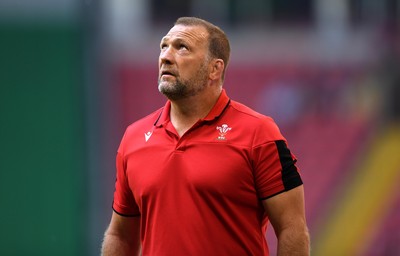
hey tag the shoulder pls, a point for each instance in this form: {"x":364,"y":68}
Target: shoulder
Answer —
{"x":135,"y":132}
{"x":263,"y":127}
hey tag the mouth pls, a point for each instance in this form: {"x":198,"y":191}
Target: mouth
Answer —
{"x":166,"y":73}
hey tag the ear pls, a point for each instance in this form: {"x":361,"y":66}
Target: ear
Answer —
{"x":216,"y":69}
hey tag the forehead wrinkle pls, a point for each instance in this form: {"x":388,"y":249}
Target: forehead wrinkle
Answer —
{"x":187,"y":34}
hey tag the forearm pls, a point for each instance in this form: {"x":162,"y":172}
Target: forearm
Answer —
{"x":294,"y":242}
{"x":115,"y":246}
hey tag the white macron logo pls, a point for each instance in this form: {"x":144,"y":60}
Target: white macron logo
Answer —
{"x":147,"y":135}
{"x":223,"y":130}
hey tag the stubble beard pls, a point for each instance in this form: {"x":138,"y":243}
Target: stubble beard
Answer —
{"x":181,"y":89}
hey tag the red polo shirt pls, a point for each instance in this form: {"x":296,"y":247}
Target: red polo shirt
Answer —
{"x":200,"y":194}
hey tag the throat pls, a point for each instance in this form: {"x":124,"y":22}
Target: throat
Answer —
{"x":186,"y":113}
{"x":182,"y":126}
{"x":184,"y":116}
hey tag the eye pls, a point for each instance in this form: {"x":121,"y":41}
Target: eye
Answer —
{"x":183,"y":47}
{"x":163,"y":46}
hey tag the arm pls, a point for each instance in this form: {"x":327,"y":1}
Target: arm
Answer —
{"x":287,"y":215}
{"x":122,"y":236}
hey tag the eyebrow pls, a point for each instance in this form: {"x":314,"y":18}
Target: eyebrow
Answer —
{"x":165,"y":38}
{"x":176,"y":39}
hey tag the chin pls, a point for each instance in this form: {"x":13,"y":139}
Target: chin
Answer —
{"x":164,"y":86}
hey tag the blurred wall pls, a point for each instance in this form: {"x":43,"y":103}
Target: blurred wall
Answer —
{"x":42,"y":166}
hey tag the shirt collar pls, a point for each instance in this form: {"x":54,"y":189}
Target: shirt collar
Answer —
{"x":219,"y":107}
{"x":216,"y":111}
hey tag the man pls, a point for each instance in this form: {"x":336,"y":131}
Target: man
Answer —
{"x":204,"y":174}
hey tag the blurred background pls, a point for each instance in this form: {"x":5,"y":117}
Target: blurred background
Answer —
{"x":74,"y":74}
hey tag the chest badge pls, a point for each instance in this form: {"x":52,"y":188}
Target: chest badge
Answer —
{"x":223,"y":130}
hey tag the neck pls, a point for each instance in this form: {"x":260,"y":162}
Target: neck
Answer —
{"x":186,"y":112}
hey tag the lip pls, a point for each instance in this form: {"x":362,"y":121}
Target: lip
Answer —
{"x":166,"y":73}
{"x":167,"y":70}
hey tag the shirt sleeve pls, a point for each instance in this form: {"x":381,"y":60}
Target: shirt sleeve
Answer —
{"x":124,"y":203}
{"x":275,"y":169}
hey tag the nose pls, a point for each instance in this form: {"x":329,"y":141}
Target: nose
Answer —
{"x":166,"y":56}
